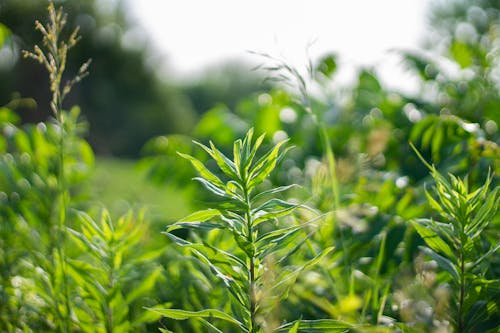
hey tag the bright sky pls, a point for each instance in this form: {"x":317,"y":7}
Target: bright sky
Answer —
{"x":195,"y":33}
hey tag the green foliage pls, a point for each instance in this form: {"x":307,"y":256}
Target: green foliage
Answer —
{"x":246,"y":215}
{"x":112,"y":109}
{"x":460,"y":246}
{"x":112,"y":274}
{"x":254,"y":259}
{"x":43,"y":286}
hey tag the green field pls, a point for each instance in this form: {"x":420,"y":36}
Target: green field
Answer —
{"x":165,"y":203}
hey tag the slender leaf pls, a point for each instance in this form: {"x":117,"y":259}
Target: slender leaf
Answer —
{"x":208,"y":313}
{"x":316,"y":326}
{"x":203,"y":171}
{"x":444,"y":263}
{"x":432,"y":239}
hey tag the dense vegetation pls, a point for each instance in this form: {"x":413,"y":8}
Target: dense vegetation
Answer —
{"x":317,"y":209}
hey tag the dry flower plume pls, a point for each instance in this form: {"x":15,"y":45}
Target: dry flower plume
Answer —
{"x":53,"y":54}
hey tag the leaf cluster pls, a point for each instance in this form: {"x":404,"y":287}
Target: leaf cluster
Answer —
{"x":250,"y":217}
{"x":460,"y":242}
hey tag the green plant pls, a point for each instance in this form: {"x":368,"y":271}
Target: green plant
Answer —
{"x":53,"y":56}
{"x":249,"y":217}
{"x":113,"y":273}
{"x":461,"y":243}
{"x":61,"y":270}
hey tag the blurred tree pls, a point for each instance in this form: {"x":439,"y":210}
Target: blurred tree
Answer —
{"x":228,"y":82}
{"x":124,"y":99}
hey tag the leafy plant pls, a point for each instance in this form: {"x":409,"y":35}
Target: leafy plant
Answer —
{"x":113,"y":273}
{"x":91,"y":281}
{"x":249,"y":216}
{"x":53,"y":56}
{"x":459,"y":243}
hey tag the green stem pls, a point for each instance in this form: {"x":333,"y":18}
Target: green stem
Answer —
{"x":253,"y":324}
{"x":461,"y":296}
{"x":61,"y":216}
{"x":332,"y":166}
{"x":251,"y":274}
{"x":109,"y":308}
{"x":332,"y":169}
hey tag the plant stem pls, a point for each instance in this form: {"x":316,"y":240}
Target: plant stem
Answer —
{"x":252,"y":296}
{"x":109,"y":308}
{"x":56,"y":104}
{"x":462,"y":293}
{"x":251,"y":273}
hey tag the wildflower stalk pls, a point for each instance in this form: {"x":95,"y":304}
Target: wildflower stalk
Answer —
{"x":53,"y":55}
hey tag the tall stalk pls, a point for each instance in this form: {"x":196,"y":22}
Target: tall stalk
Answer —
{"x":53,"y":55}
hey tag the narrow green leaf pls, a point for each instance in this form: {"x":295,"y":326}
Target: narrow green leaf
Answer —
{"x":201,"y":215}
{"x":215,"y":255}
{"x":177,"y":240}
{"x":295,"y":327}
{"x":277,"y":234}
{"x":234,"y":190}
{"x":264,"y":248}
{"x":208,"y":313}
{"x":273,"y":190}
{"x":210,"y":326}
{"x":233,"y":287}
{"x":244,"y":244}
{"x":198,"y":220}
{"x":273,"y":204}
{"x":272,"y":209}
{"x":265,"y":165}
{"x":217,"y":190}
{"x":444,"y":263}
{"x":483,"y":215}
{"x":89,"y":221}
{"x":164,"y":330}
{"x":196,"y":226}
{"x":253,"y":151}
{"x":432,"y":239}
{"x":225,"y":164}
{"x":317,"y":326}
{"x":150,"y":316}
{"x":486,"y":255}
{"x":203,"y":171}
{"x":237,"y":156}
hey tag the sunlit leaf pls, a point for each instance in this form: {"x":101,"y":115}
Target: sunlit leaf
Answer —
{"x":183,"y":314}
{"x":433,"y":240}
{"x":444,"y":263}
{"x":203,"y":171}
{"x":317,"y":326}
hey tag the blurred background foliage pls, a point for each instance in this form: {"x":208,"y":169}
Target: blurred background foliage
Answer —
{"x":126,"y":99}
{"x":377,"y":274}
